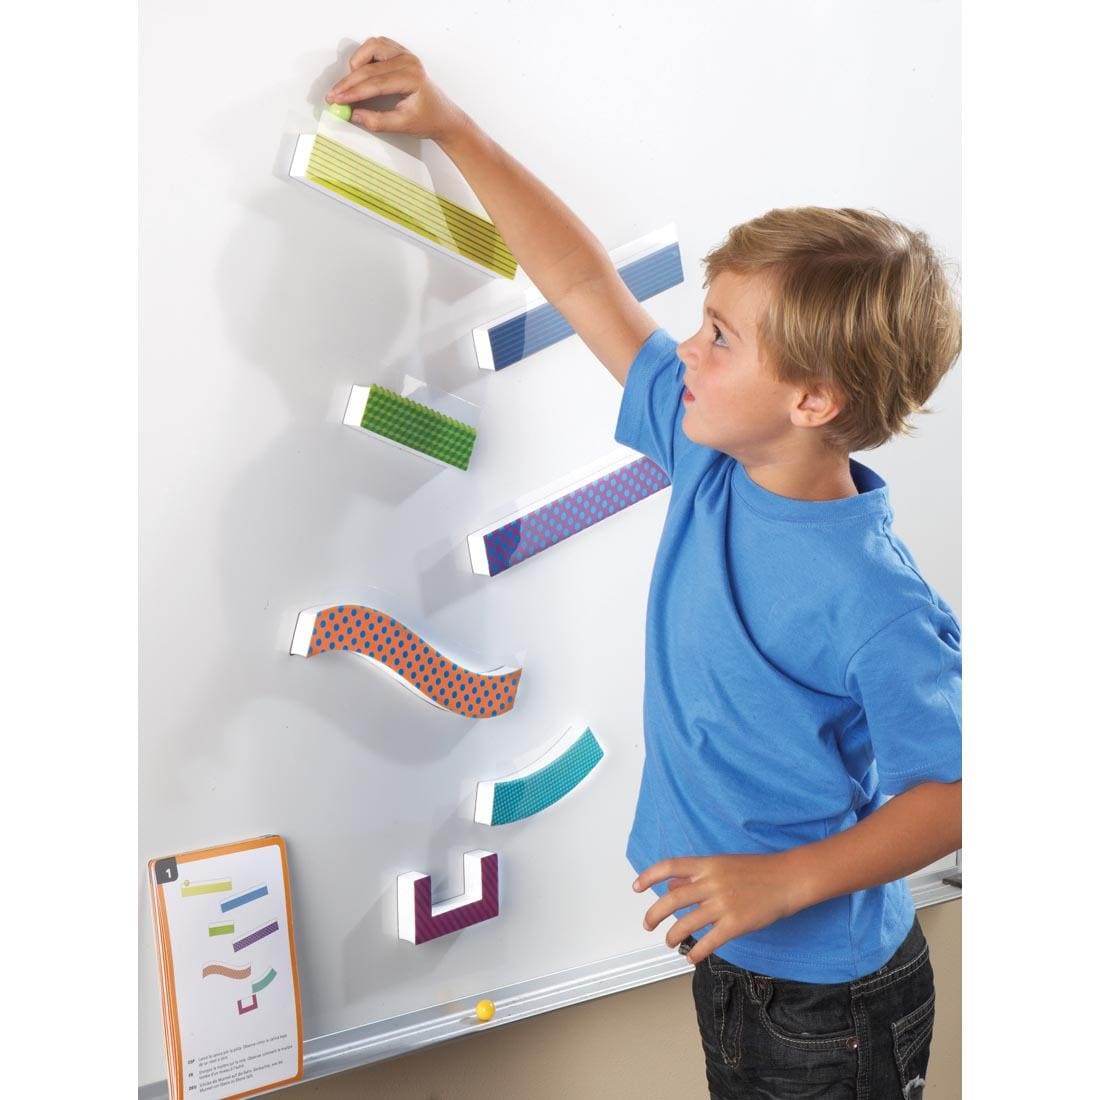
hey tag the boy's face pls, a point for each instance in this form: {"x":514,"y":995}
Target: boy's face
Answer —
{"x":732,"y":402}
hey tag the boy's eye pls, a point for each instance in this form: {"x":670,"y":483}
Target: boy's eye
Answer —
{"x":719,"y":339}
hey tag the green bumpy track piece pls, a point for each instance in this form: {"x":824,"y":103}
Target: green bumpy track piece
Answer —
{"x":414,"y":425}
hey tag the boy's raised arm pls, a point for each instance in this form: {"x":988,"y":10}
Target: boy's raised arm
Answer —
{"x":564,"y":260}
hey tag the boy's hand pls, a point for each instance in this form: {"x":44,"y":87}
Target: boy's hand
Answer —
{"x":739,"y":894}
{"x":563,"y":258}
{"x":735,"y":894}
{"x":383,"y":67}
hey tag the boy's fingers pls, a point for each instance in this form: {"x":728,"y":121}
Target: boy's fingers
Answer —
{"x":379,"y":68}
{"x":353,"y":86}
{"x":706,"y":946}
{"x":669,"y":904}
{"x":687,"y":925}
{"x":375,"y":49}
{"x":667,"y":868}
{"x":369,"y":87}
{"x":380,"y":120}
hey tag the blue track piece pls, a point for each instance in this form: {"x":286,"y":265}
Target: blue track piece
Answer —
{"x":542,"y":326}
{"x":244,"y":899}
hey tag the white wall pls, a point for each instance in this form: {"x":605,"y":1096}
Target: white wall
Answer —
{"x":262,"y":303}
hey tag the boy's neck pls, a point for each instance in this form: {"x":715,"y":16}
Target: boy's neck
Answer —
{"x":805,"y":477}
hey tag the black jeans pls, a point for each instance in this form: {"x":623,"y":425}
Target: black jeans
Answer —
{"x":783,"y":1040}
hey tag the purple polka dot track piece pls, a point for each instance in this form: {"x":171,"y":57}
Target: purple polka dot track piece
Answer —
{"x":497,"y":548}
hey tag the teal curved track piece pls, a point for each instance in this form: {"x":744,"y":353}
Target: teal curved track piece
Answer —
{"x":523,"y":795}
{"x":265,"y":981}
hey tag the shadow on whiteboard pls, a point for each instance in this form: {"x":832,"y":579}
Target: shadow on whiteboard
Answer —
{"x":300,"y":289}
{"x":375,"y":958}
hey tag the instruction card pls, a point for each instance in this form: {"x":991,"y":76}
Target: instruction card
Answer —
{"x":228,"y":973}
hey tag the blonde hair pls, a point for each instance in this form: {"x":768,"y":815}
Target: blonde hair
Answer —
{"x":859,"y":303}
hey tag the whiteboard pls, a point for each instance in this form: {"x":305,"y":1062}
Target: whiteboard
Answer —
{"x":262,"y":304}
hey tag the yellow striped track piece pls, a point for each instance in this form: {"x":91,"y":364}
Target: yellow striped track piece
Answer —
{"x":375,"y":185}
{"x":194,"y":889}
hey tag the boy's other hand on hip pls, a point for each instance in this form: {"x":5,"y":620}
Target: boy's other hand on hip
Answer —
{"x":734,"y":894}
{"x":381,"y":67}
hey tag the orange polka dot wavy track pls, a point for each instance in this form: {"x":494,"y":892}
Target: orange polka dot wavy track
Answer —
{"x":381,"y":638}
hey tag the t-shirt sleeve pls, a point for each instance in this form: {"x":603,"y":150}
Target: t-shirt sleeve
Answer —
{"x":652,"y":406}
{"x":908,"y":678}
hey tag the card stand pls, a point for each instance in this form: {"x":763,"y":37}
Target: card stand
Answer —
{"x":419,"y":921}
{"x":411,"y":426}
{"x":250,"y":880}
{"x":560,"y":770}
{"x":394,"y":189}
{"x":388,"y":645}
{"x":607,"y":488}
{"x":647,"y":266}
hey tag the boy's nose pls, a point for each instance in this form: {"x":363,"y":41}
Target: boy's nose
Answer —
{"x":690,"y":358}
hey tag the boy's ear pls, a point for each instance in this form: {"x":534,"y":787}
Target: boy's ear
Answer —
{"x":816,"y":404}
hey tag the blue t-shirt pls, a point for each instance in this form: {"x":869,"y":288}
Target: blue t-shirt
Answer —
{"x":798,"y":668}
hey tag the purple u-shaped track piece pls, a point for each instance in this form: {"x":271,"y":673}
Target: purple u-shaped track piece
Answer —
{"x":419,"y":921}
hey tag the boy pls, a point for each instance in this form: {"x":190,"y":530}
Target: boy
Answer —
{"x":798,"y":667}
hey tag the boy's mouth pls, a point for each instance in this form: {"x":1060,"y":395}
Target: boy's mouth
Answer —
{"x":688,"y":396}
